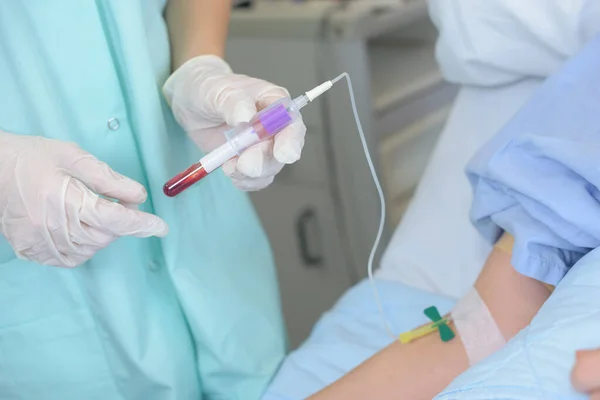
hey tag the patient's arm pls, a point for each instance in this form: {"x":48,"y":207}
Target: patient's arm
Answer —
{"x":423,"y":368}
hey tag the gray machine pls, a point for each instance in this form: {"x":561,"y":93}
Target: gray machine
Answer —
{"x":321,"y":214}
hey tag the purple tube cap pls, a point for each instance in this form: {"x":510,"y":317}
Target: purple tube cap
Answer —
{"x":275,"y":119}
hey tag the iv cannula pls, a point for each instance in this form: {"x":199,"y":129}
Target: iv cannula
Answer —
{"x":267,"y":123}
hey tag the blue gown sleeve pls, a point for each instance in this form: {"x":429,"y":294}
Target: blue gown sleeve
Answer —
{"x":538,"y":178}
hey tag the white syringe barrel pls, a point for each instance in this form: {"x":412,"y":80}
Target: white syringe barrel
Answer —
{"x":267,"y":123}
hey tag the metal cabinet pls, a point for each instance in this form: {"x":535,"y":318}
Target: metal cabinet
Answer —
{"x":322,"y":213}
{"x":312,"y":270}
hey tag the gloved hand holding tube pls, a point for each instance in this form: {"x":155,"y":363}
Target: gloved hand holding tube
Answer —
{"x":50,"y":211}
{"x":207,"y":99}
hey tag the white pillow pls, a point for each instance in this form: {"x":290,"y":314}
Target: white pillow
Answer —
{"x":499,"y":42}
{"x":435,"y":247}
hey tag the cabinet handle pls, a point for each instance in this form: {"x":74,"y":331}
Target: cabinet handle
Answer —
{"x":311,"y":259}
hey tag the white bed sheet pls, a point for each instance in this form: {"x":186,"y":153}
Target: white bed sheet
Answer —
{"x":435,"y":247}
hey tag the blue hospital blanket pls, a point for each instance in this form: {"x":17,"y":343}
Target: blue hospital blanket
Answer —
{"x":539,"y":177}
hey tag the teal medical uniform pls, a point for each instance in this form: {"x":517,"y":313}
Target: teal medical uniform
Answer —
{"x":195,"y":315}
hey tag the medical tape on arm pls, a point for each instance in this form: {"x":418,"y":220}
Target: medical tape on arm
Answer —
{"x":506,"y":243}
{"x":476,"y":327}
{"x":473,"y":320}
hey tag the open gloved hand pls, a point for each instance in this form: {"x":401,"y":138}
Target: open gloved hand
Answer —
{"x":207,"y":99}
{"x":50,"y":211}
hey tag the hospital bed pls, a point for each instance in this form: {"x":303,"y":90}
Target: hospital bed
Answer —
{"x":433,"y":258}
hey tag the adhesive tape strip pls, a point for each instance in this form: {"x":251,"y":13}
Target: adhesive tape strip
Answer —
{"x":477,"y":329}
{"x":505,"y":243}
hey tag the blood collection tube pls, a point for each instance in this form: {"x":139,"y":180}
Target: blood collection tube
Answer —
{"x":264,"y":125}
{"x":185,"y":179}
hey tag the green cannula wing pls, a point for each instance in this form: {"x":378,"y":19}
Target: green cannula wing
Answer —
{"x":446,"y":333}
{"x":433,"y":313}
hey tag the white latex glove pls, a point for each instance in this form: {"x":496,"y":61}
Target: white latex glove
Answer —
{"x":49,"y":210}
{"x":207,"y":98}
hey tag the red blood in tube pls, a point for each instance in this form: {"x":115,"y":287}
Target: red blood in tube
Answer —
{"x":269,"y":123}
{"x":184,"y":180}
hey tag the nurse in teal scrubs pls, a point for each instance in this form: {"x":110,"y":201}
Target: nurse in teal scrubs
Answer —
{"x":109,"y":289}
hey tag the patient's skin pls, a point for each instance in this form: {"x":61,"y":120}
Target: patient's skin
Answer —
{"x":423,"y":368}
{"x":586,"y":374}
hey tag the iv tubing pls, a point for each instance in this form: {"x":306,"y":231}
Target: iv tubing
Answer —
{"x":363,"y":140}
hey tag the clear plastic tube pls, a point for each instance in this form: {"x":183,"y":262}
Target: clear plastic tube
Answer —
{"x":377,"y":241}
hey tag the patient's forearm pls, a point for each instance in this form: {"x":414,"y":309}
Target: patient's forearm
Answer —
{"x":419,"y":370}
{"x":422,"y":369}
{"x":513,"y":299}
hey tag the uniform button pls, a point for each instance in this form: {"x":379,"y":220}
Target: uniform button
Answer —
{"x":153,"y":266}
{"x":113,"y":124}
